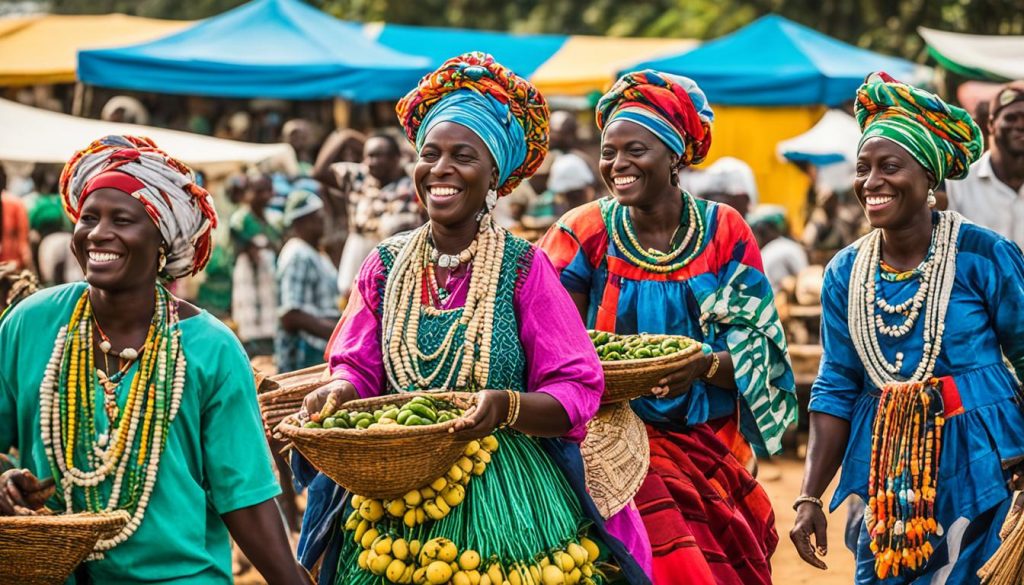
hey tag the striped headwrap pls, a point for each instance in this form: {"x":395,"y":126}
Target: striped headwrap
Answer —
{"x":182,"y":210}
{"x":943,"y":138}
{"x":670,"y":106}
{"x":504,"y":110}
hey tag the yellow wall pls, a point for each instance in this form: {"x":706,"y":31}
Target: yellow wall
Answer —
{"x":751,"y":134}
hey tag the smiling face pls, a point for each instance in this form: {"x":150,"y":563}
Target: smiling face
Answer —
{"x":635,"y":164}
{"x":453,"y":174}
{"x":891,"y":185}
{"x":116,"y":242}
{"x":1007,"y":129}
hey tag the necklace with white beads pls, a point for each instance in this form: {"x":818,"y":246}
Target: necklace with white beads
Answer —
{"x":929,"y":303}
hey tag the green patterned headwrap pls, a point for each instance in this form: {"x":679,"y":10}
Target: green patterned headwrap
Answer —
{"x":943,"y":138}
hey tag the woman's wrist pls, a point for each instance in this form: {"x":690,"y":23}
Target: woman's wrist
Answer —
{"x":712,"y":363}
{"x":808,"y":499}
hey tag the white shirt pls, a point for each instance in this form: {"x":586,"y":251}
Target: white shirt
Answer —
{"x":985,"y":200}
{"x":782,"y":257}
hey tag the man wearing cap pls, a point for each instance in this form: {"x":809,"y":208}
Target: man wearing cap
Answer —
{"x":992,"y":195}
{"x":306,"y":284}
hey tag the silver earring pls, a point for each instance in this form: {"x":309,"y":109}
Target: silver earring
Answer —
{"x":931,"y":198}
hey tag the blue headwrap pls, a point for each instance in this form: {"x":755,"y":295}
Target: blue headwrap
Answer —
{"x":653,"y":122}
{"x":486,"y":117}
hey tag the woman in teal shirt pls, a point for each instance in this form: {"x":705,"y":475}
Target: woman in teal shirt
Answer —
{"x":131,"y":399}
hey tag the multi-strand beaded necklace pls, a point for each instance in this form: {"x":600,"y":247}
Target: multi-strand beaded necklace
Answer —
{"x":407,"y":296}
{"x":684,"y":246}
{"x":84,"y":462}
{"x":907,"y":434}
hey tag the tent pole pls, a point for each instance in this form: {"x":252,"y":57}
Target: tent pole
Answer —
{"x":76,"y":101}
{"x":342,"y":113}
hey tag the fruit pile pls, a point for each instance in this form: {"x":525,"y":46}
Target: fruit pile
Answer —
{"x":419,"y":411}
{"x":431,"y":502}
{"x":439,"y":562}
{"x":612,"y":347}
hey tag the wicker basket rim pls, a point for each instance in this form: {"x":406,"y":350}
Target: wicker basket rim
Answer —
{"x":654,"y":361}
{"x":83,"y":519}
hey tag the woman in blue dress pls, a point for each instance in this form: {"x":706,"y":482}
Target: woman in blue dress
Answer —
{"x":913,"y":398}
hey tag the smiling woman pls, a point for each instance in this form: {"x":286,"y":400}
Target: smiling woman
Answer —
{"x":106,"y":387}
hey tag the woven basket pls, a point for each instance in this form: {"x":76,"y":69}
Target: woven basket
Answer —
{"x":384,"y":462}
{"x":616,"y":455}
{"x":282,"y":395}
{"x":46,"y":549}
{"x":628,"y":379}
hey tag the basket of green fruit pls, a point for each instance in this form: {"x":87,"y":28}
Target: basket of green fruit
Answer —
{"x":385,"y":446}
{"x":634,"y":364}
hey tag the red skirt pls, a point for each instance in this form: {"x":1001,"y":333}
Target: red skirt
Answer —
{"x":708,"y":520}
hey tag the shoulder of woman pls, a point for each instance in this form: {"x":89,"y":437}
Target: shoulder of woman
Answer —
{"x":975,"y":239}
{"x":48,"y":300}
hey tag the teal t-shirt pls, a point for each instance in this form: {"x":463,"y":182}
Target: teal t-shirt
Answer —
{"x":216,"y":459}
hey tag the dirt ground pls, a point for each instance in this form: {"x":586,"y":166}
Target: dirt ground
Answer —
{"x":781,"y":479}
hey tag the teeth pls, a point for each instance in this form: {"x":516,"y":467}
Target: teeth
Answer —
{"x":878,"y":200}
{"x":625,"y":180}
{"x":103,"y":256}
{"x":443,"y":191}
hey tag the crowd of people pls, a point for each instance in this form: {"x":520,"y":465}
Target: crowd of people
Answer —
{"x":401,"y":260}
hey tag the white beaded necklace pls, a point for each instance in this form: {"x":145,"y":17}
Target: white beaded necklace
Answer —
{"x":929,"y":302}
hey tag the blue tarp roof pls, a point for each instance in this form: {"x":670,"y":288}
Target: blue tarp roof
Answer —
{"x":266,"y":48}
{"x":775,"y":61}
{"x":523,"y":54}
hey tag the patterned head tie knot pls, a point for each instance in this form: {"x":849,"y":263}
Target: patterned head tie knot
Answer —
{"x":942,"y":138}
{"x":670,"y":106}
{"x":182,"y":210}
{"x":504,"y":110}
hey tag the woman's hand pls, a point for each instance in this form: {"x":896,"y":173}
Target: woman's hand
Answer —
{"x":22,"y":493}
{"x":810,"y":519}
{"x":679,"y":381}
{"x":491,"y":409}
{"x":327,"y":399}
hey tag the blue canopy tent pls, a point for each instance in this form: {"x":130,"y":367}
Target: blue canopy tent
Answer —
{"x":774,"y":61}
{"x":267,"y":48}
{"x":523,"y":54}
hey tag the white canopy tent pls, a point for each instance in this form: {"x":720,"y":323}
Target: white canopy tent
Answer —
{"x":986,"y":55}
{"x":32,"y":135}
{"x":833,"y":139}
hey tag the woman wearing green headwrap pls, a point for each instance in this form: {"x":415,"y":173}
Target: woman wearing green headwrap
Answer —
{"x":913,"y":397}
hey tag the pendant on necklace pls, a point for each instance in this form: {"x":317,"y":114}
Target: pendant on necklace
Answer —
{"x":109,"y":386}
{"x":442,"y":293}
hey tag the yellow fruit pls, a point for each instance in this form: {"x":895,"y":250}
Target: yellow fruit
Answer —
{"x":360,"y":531}
{"x":448,"y":552}
{"x":574,"y":577}
{"x":535,"y":573}
{"x":514,"y":578}
{"x":432,"y":548}
{"x":395,"y":570}
{"x":443,"y":506}
{"x":578,"y":553}
{"x":396,"y":508}
{"x":495,"y":573}
{"x":552,"y":576}
{"x":410,"y":518}
{"x":474,"y":577}
{"x":428,"y":493}
{"x":433,"y":510}
{"x":472,"y":448}
{"x":407,"y":575}
{"x":461,"y":578}
{"x":455,"y":474}
{"x":588,"y":570}
{"x":419,"y":576}
{"x":414,"y":547}
{"x":469,"y":560}
{"x":382,"y":545}
{"x":479,"y":468}
{"x":379,"y":565}
{"x":454,"y":566}
{"x":372,"y":510}
{"x":438,"y":573}
{"x":465,"y":464}
{"x":357,"y":501}
{"x":485,"y":580}
{"x":439,"y":484}
{"x":363,"y":562}
{"x":545,"y":562}
{"x":489,"y":443}
{"x":564,"y":561}
{"x":400,"y":549}
{"x":454,"y":495}
{"x":483,"y":456}
{"x":592,"y":550}
{"x":368,"y":537}
{"x":353,"y":521}
{"x":421,"y":516}
{"x":412,"y":499}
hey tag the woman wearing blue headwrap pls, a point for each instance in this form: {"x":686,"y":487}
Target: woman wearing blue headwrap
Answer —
{"x":461,"y":304}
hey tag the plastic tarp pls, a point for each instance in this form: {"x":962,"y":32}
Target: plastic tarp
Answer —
{"x":984,"y":56}
{"x":774,"y":61}
{"x":833,"y":139}
{"x":522,"y":53}
{"x":267,"y":48}
{"x":586,"y":64}
{"x":35,"y":135}
{"x":38,"y":50}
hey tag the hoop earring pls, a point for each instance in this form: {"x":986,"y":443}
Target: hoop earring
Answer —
{"x":931,"y":198}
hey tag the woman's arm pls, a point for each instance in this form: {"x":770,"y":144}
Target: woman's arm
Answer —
{"x":260,"y":532}
{"x":829,"y":435}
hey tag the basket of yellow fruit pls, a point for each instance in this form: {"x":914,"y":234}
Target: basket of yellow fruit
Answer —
{"x":634,"y":364}
{"x":385,"y":446}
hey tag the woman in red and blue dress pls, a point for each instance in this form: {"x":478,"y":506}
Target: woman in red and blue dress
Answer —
{"x":652,"y":258}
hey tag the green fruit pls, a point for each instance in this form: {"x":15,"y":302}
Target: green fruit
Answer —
{"x":403,"y":416}
{"x":330,"y":423}
{"x":423,"y":412}
{"x":415,"y":421}
{"x":391,"y":413}
{"x":421,"y":400}
{"x":642,"y":353}
{"x":612,"y":356}
{"x":364,"y":422}
{"x":311,"y":425}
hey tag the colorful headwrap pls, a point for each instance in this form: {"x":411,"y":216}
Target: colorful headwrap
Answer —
{"x":504,"y":110}
{"x":943,"y":138}
{"x":181,"y":210}
{"x":670,"y":106}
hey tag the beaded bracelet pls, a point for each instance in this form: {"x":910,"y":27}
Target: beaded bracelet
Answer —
{"x":803,"y":499}
{"x":513,"y":409}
